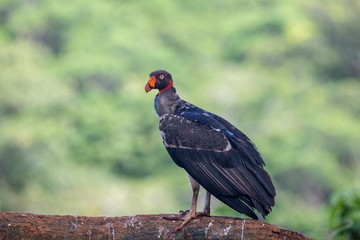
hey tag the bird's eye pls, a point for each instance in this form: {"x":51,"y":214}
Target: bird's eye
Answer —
{"x":161,"y":76}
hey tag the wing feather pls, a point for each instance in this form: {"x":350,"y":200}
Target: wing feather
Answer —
{"x":226,"y":170}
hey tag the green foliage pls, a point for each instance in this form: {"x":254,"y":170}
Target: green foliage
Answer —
{"x":79,"y":135}
{"x":345,"y":214}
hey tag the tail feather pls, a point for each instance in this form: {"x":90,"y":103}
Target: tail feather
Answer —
{"x":238,"y":205}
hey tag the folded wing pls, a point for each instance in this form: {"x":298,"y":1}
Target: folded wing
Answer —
{"x":221,"y":158}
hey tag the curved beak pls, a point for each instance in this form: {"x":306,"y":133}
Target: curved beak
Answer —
{"x":151,"y":84}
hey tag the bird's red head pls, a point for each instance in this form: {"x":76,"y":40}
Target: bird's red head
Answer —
{"x":160,"y":80}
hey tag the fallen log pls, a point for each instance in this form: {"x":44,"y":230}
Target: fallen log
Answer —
{"x":33,"y":226}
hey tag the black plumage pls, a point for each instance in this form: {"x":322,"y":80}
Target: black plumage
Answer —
{"x":216,"y":154}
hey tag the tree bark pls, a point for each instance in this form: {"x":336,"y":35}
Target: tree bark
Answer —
{"x":32,"y":226}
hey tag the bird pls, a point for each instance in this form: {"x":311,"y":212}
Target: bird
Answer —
{"x":214,"y":153}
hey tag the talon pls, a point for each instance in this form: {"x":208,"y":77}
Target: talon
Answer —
{"x":191,"y":216}
{"x":184,"y":212}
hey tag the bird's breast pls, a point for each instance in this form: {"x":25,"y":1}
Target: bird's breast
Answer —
{"x":165,"y":104}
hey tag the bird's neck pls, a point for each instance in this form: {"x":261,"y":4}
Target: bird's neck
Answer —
{"x":166,"y":102}
{"x":167,"y":87}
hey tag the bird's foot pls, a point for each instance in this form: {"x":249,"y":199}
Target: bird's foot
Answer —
{"x":184,"y":212}
{"x":204,"y":213}
{"x":188,"y":218}
{"x":179,"y":216}
{"x":191,"y":215}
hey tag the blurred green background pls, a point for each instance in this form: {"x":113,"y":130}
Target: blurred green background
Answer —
{"x":79,"y":136}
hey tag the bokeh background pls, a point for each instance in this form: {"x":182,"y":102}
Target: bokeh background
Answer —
{"x":79,"y":136}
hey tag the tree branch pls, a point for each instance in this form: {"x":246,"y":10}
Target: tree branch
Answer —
{"x":32,"y":226}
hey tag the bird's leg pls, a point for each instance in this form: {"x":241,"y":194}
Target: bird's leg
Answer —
{"x":206,"y":211}
{"x":192,"y":212}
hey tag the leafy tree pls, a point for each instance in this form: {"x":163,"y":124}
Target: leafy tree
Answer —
{"x":345,"y":214}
